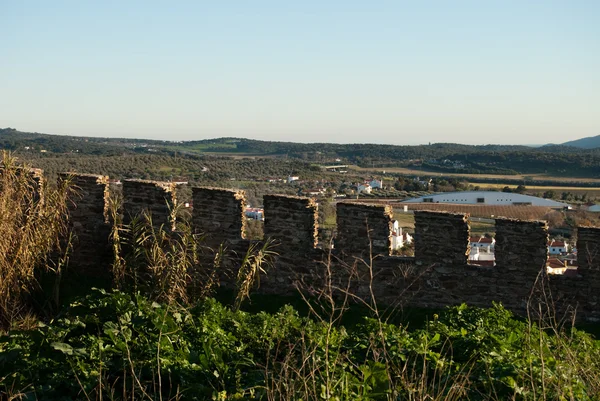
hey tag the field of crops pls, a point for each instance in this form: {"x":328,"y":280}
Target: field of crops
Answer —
{"x":489,"y":211}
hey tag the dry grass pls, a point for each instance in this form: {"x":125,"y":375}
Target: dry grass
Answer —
{"x":33,"y":223}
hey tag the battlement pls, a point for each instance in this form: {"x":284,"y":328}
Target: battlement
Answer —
{"x":438,"y":275}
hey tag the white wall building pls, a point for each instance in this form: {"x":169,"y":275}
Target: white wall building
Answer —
{"x":477,"y":256}
{"x":376,"y":184}
{"x":256,"y":213}
{"x":557,"y":247}
{"x":366,"y":188}
{"x":399,"y":238}
{"x":486,"y":198}
{"x":483,"y":244}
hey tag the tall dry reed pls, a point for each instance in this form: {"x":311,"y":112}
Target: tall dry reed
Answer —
{"x":33,"y":226}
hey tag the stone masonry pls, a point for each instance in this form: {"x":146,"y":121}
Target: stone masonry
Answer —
{"x":155,"y":197}
{"x":437,"y":276}
{"x":292,"y":222}
{"x":88,"y":221}
{"x":588,"y":249}
{"x":218,"y":214}
{"x":521,"y":245}
{"x":431,"y":228}
{"x":363,"y":229}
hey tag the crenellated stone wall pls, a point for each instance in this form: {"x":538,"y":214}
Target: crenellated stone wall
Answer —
{"x":438,"y":275}
{"x":156,"y":197}
{"x":441,"y":238}
{"x":291,"y":221}
{"x":218,"y":214}
{"x":88,"y":221}
{"x":363,"y":229}
{"x":588,"y":249}
{"x":521,"y":245}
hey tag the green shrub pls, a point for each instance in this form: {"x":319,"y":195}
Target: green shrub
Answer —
{"x":120,"y":346}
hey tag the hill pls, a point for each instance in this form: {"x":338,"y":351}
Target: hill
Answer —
{"x":438,"y":158}
{"x":591,"y":142}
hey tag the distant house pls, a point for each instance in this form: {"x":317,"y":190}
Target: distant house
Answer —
{"x":376,"y":184}
{"x":314,"y":191}
{"x":557,"y":266}
{"x":399,"y":238}
{"x":366,"y":188}
{"x":556,"y":247}
{"x":483,"y":244}
{"x":255,"y":213}
{"x":481,"y":258}
{"x":426,"y":182}
{"x":292,"y":178}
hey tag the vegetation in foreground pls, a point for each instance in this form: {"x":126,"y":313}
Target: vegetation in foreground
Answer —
{"x":175,"y":342}
{"x":114,"y":345}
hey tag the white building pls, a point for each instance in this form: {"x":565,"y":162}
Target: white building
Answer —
{"x":376,"y":184}
{"x":557,"y":266}
{"x":557,"y":247}
{"x":292,"y":178}
{"x":255,"y":213}
{"x":593,"y":208}
{"x":366,"y":188}
{"x":487,"y":198}
{"x":314,"y":191}
{"x":484,"y":258}
{"x":483,"y":244}
{"x":399,"y":238}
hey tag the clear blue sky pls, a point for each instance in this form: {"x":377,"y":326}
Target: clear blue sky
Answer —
{"x":400,"y":72}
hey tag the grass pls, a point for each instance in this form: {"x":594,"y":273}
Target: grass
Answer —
{"x":405,"y":220}
{"x":479,"y":228}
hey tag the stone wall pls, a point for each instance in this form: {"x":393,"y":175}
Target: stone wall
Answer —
{"x":292,"y":222}
{"x":437,"y":276}
{"x":363,"y":230}
{"x":88,"y":221}
{"x":441,"y":238}
{"x":157,"y":198}
{"x":588,"y":249}
{"x":521,"y":245}
{"x":218,"y":214}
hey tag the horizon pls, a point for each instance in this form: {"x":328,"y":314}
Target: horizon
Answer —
{"x":255,"y":139}
{"x":388,"y":72}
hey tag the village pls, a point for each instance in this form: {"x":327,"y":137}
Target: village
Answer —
{"x":562,"y":254}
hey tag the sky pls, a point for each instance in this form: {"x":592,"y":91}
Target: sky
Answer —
{"x":395,"y":72}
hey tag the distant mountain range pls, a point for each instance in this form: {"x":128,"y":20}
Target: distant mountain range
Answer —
{"x":590,"y":142}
